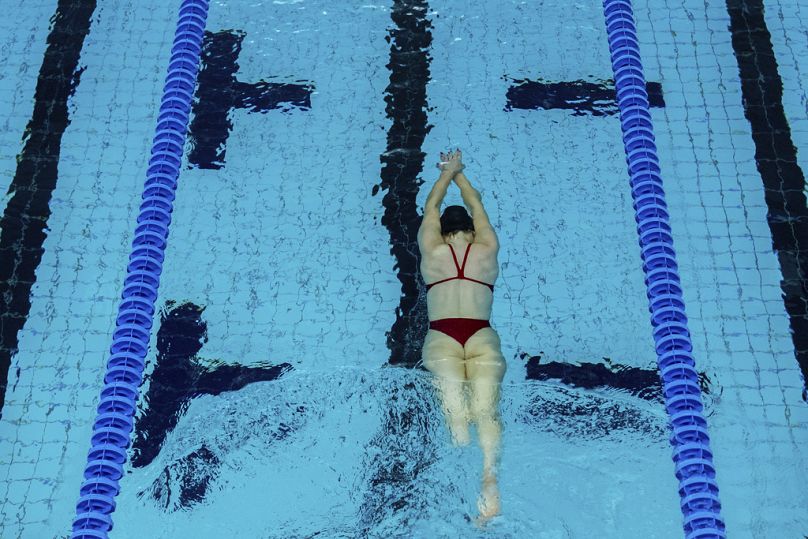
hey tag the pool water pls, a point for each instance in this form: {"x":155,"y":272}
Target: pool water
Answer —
{"x":282,"y":397}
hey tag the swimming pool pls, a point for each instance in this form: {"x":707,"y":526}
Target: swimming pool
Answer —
{"x":290,"y":279}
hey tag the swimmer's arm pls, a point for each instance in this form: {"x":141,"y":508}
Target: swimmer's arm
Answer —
{"x":483,"y":231}
{"x":429,"y":233}
{"x":470,"y":195}
{"x":438,"y":193}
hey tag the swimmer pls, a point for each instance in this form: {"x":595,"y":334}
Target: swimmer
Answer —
{"x":461,"y":348}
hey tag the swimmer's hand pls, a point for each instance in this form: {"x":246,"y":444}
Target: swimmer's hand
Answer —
{"x":451,"y":162}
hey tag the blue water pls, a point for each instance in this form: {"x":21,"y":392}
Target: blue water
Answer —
{"x":284,"y":250}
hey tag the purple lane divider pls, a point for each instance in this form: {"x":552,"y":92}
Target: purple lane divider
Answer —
{"x":130,"y":341}
{"x":693,"y":460}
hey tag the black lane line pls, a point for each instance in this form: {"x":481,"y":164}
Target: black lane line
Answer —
{"x":776,"y":158}
{"x":410,"y":40}
{"x":579,"y":96}
{"x":25,"y":218}
{"x":404,"y":446}
{"x":219,"y":92}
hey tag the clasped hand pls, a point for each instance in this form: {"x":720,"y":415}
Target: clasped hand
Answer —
{"x":451,"y":162}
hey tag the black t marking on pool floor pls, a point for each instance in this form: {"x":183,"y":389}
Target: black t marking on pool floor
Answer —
{"x":179,"y":376}
{"x":581,"y":97}
{"x":218,"y":92}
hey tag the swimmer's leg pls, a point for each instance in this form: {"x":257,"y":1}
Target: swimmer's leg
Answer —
{"x":485,"y":367}
{"x":444,"y":358}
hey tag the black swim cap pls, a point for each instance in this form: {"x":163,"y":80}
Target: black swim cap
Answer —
{"x":455,"y":218}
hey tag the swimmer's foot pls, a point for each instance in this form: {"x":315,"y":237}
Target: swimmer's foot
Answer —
{"x":488,"y":502}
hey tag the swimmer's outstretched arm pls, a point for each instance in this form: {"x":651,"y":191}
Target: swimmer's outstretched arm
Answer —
{"x":483,"y":231}
{"x":438,"y":193}
{"x":471,"y":197}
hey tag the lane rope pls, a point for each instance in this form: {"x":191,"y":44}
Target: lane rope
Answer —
{"x":692,"y":456}
{"x":130,"y":340}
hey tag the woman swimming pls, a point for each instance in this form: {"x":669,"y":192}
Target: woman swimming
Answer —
{"x":461,"y":348}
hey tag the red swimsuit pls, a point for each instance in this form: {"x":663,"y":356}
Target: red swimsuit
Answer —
{"x":460,"y":329}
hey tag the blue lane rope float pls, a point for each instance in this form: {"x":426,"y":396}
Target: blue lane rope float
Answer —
{"x":130,"y":340}
{"x":691,"y":444}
